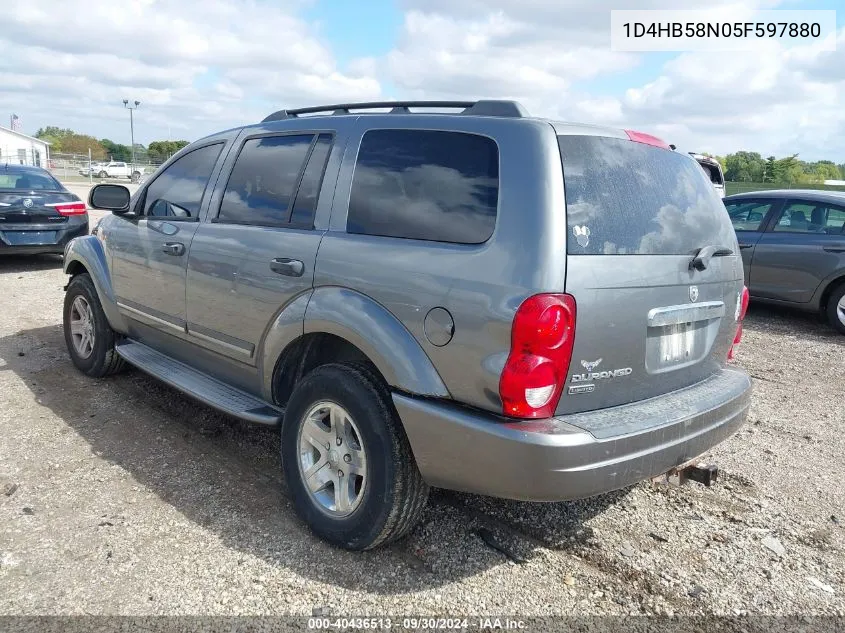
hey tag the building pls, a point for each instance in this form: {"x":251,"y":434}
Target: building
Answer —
{"x":20,"y":149}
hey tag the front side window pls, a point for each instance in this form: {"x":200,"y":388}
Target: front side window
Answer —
{"x":178,"y":191}
{"x":425,"y":185}
{"x":263,"y":181}
{"x":811,"y":217}
{"x":748,"y":215}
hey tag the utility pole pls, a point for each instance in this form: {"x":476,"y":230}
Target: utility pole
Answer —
{"x":131,"y":124}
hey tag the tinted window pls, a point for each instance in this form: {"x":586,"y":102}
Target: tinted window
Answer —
{"x":264,"y":179}
{"x":811,"y":217}
{"x":714,"y":173}
{"x":29,"y":181}
{"x":309,"y":188}
{"x":425,"y":185}
{"x":627,"y":198}
{"x":178,"y":190}
{"x":748,"y":215}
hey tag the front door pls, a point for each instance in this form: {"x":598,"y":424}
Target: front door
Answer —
{"x":150,"y":246}
{"x":259,"y":250}
{"x":803,"y":247}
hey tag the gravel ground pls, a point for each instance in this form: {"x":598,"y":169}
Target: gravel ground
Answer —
{"x":121,"y":496}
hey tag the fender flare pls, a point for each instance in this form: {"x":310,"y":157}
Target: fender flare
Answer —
{"x":87,"y":251}
{"x":365,"y":324}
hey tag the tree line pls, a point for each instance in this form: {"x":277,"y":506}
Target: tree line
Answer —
{"x":752,"y":167}
{"x":67,"y":141}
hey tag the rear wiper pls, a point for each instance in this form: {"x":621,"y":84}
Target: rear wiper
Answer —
{"x":702,"y":257}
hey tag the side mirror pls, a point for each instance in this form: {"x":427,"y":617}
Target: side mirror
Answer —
{"x":114,"y":198}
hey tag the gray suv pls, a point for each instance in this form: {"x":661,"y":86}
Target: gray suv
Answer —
{"x":468,"y":298}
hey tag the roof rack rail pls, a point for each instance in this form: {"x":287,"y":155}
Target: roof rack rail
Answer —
{"x":478,"y":108}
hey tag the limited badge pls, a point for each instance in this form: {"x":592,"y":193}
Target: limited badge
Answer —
{"x":582,"y":235}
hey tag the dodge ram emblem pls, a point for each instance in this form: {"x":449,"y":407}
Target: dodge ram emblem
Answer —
{"x":693,"y":293}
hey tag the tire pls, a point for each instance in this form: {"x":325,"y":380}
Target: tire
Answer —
{"x":102,"y":359}
{"x":102,"y":174}
{"x":392,"y":494}
{"x":135,"y":177}
{"x":836,"y":308}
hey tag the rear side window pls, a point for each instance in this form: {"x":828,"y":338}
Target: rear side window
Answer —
{"x":425,"y":185}
{"x":811,"y":217}
{"x":305,"y":204}
{"x":263,"y":181}
{"x":748,"y":215}
{"x":627,"y":198}
{"x":179,"y":189}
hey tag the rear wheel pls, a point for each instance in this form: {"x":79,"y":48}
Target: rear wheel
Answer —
{"x":346,"y":459}
{"x":102,"y":174}
{"x":88,"y":336}
{"x":836,"y":308}
{"x":135,"y":177}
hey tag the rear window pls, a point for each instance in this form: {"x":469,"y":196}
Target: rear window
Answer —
{"x":714,"y":173}
{"x":28,"y":181}
{"x":627,"y":198}
{"x":425,"y":185}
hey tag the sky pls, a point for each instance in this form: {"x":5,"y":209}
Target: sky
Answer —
{"x":199,"y":66}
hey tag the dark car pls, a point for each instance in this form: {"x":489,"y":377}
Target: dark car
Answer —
{"x":793,"y":248}
{"x":37,"y":214}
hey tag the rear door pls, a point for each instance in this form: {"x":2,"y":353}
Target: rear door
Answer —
{"x":648,"y":320}
{"x":749,"y":217}
{"x":804,"y":245}
{"x":258,"y":251}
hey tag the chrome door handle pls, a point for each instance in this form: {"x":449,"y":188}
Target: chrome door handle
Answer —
{"x":287,"y":266}
{"x":173,"y":248}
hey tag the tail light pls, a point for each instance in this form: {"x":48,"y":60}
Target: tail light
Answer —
{"x":741,"y":309}
{"x":541,"y":348}
{"x":69,"y":208}
{"x":648,"y":139}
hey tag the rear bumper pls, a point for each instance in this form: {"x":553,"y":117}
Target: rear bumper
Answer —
{"x":572,"y":456}
{"x":63,"y":234}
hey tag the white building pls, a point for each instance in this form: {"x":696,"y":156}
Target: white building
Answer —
{"x":20,"y":149}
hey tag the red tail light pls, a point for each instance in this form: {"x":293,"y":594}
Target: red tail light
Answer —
{"x":743,"y":308}
{"x":648,"y":139}
{"x":69,"y":208}
{"x":541,"y":348}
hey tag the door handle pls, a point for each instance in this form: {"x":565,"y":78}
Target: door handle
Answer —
{"x":287,"y":266}
{"x":744,"y":246}
{"x":173,"y":248}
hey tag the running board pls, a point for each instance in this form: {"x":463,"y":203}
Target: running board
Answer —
{"x":199,"y":385}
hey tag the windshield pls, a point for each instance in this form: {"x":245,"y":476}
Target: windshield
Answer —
{"x":28,"y":181}
{"x":627,"y":198}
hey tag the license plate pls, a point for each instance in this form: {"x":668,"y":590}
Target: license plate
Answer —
{"x":677,"y":343}
{"x":27,"y":238}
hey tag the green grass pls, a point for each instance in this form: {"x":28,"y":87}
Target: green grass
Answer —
{"x":742,"y":187}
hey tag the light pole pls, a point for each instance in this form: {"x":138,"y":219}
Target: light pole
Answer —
{"x":132,"y":124}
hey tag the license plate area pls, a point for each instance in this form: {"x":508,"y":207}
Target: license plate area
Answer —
{"x":29,"y":238}
{"x":678,"y":345}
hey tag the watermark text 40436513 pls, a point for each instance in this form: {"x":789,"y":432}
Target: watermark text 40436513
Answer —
{"x":728,"y":29}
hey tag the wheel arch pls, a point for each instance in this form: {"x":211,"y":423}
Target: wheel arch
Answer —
{"x":86,"y":255}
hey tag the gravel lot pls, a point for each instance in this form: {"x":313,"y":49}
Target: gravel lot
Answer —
{"x":122,"y":496}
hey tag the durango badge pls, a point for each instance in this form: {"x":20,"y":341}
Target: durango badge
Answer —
{"x":601,"y":375}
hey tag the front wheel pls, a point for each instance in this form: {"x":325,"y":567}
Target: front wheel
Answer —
{"x":102,"y":174}
{"x":88,"y":336}
{"x":135,"y":177}
{"x":347,"y":462}
{"x":836,"y":308}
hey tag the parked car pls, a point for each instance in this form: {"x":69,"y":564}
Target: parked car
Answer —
{"x":91,"y":169}
{"x":416,"y":301}
{"x":37,"y":214}
{"x":793,"y":248}
{"x":116,"y":169}
{"x":713,"y":169}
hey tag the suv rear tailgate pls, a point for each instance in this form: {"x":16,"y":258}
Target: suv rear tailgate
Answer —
{"x":647,"y":322}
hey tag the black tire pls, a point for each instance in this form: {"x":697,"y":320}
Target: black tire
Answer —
{"x":833,"y":315}
{"x":103,"y":360}
{"x":102,"y":174}
{"x":395,"y":494}
{"x":135,"y":177}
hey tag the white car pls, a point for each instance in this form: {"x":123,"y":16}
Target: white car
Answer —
{"x":92,"y":168}
{"x":117,"y":169}
{"x":714,"y":171}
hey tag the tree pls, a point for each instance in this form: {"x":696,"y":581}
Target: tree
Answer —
{"x":116,"y":151}
{"x":54,"y":136}
{"x":825,"y":170}
{"x":769,"y":172}
{"x":81,"y":143}
{"x":162,"y":150}
{"x":744,"y":167}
